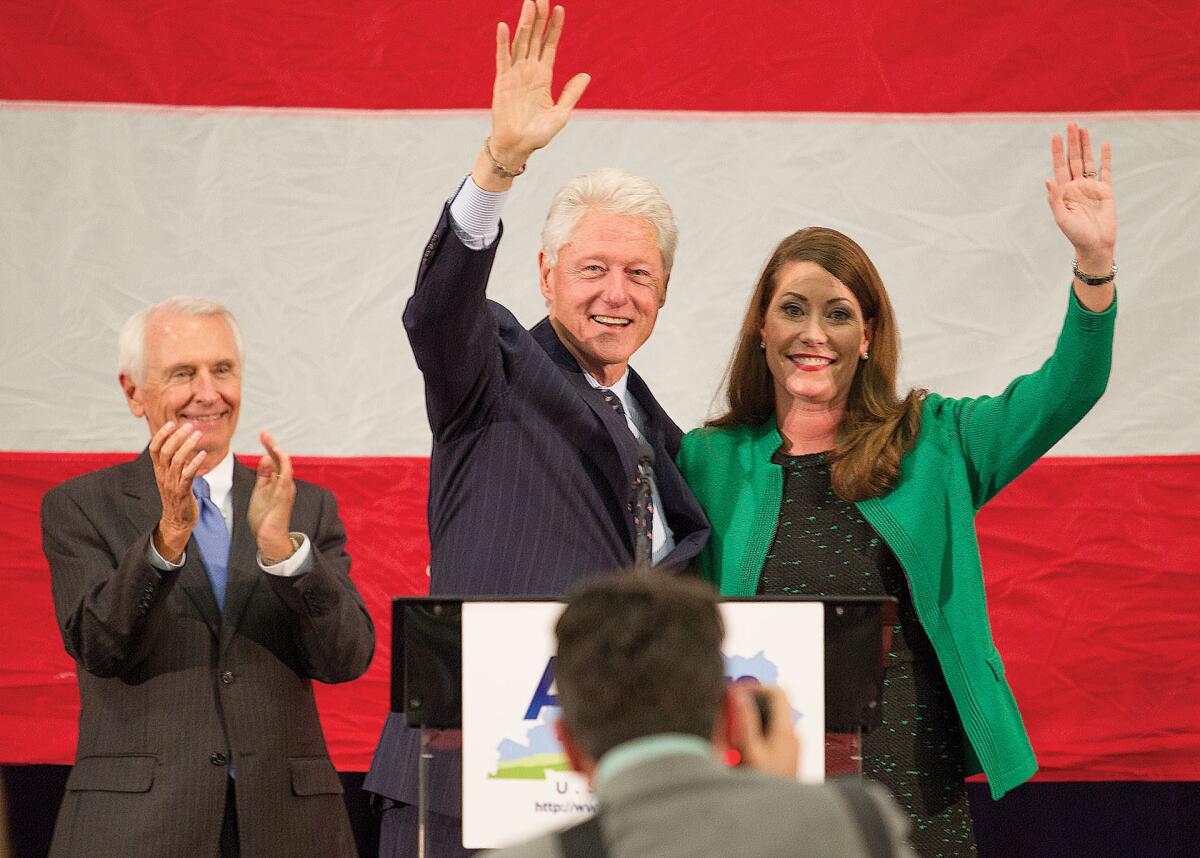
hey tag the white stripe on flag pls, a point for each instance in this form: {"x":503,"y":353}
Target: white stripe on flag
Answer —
{"x":310,"y":225}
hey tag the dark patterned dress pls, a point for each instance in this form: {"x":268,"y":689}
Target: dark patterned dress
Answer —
{"x":824,"y":547}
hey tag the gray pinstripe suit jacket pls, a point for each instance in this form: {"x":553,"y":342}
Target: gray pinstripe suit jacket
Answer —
{"x":170,"y":689}
{"x":531,"y":475}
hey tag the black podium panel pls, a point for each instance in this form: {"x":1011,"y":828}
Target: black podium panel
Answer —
{"x":427,"y":658}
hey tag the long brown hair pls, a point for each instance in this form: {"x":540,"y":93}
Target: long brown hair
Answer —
{"x":878,"y":427}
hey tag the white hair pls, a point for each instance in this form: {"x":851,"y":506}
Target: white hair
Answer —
{"x":613,"y":191}
{"x":131,"y":344}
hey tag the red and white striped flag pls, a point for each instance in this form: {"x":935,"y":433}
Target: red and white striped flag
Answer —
{"x":291,"y":158}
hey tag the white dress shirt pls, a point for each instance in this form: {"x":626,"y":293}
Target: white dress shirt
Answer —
{"x":220,"y":490}
{"x":475,"y":214}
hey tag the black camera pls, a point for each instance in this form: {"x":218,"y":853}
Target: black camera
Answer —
{"x":763,"y":701}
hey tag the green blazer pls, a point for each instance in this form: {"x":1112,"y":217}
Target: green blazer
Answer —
{"x":967,"y":450}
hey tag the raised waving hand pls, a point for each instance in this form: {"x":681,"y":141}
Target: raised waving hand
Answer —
{"x":525,"y":115}
{"x":1081,"y":199}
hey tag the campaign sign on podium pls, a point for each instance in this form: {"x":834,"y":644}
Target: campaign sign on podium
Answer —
{"x":516,"y":780}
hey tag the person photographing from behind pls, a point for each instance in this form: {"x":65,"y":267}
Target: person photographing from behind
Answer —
{"x":648,"y":716}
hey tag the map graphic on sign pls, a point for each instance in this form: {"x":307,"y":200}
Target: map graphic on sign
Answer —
{"x":540,"y":753}
{"x":757,"y":666}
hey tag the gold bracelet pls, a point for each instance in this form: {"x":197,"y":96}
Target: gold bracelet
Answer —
{"x":497,"y":166}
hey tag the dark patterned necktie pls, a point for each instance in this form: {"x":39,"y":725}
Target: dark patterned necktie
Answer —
{"x":643,"y":507}
{"x":212,"y":538}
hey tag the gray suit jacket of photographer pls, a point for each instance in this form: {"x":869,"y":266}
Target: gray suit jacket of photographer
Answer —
{"x":683,"y":805}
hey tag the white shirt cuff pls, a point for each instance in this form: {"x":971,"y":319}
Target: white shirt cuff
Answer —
{"x":299,"y":563}
{"x":161,"y":563}
{"x":475,"y":214}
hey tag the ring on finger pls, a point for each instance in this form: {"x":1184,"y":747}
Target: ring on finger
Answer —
{"x":1089,"y":174}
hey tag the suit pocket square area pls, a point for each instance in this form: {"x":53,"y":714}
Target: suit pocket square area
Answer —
{"x":124,"y":773}
{"x":314,"y":776}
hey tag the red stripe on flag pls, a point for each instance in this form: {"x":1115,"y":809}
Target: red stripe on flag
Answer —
{"x":1092,"y":581}
{"x":1093,"y":585}
{"x":769,"y":55}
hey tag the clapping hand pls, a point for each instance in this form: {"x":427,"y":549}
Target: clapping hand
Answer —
{"x":173,"y":454}
{"x":271,"y":502}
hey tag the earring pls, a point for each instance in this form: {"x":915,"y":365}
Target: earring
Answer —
{"x":762,"y":347}
{"x":866,"y":355}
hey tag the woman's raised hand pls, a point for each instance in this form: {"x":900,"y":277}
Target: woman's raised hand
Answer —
{"x":1081,"y":197}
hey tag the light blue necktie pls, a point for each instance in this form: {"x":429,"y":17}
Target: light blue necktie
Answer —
{"x":212,"y":537}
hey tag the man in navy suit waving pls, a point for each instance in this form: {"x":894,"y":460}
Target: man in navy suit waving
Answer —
{"x":552,"y":461}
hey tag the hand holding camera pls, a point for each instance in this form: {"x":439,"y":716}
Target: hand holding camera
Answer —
{"x":762,"y":730}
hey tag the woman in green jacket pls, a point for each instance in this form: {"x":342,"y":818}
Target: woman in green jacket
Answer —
{"x":820,"y":481}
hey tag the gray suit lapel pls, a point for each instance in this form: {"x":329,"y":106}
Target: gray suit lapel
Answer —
{"x":243,"y":571}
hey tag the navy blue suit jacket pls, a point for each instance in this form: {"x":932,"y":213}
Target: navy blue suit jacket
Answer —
{"x":532,"y":474}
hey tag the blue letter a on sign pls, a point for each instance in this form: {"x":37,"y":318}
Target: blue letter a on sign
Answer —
{"x":542,"y":696}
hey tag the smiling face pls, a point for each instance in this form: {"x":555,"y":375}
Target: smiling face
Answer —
{"x":190,"y":374}
{"x":605,"y":290}
{"x":814,"y":335}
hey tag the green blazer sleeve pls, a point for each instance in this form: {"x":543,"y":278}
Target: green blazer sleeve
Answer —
{"x":1001,"y":436}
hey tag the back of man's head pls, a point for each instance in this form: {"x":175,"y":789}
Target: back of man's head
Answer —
{"x":639,"y":655}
